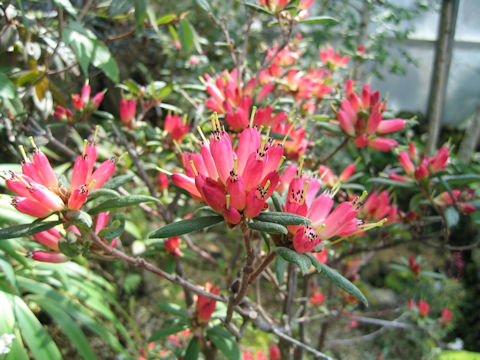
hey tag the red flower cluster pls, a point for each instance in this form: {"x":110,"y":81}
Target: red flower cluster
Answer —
{"x":333,"y":61}
{"x":128,"y":110}
{"x":233,"y":183}
{"x":176,"y":127}
{"x":38,"y":188}
{"x":206,"y":306}
{"x":419,"y":167}
{"x":460,"y":200}
{"x":361,"y":117}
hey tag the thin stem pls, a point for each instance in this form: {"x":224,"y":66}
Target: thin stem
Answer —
{"x":332,"y":154}
{"x":270,"y":257}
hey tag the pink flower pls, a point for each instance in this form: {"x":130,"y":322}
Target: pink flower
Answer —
{"x":414,"y":266}
{"x":128,"y":110}
{"x":206,"y":306}
{"x":327,"y":176}
{"x":83,"y":102}
{"x":446,"y":316}
{"x":274,"y":5}
{"x":322,"y":256}
{"x":423,"y":308}
{"x":302,"y":199}
{"x":460,"y":200}
{"x":49,"y":256}
{"x":317,"y":299}
{"x":377,"y":207}
{"x":235,"y":183}
{"x":274,"y":352}
{"x":63,"y":114}
{"x":332,"y":60}
{"x":361,"y":117}
{"x":298,"y":145}
{"x":176,"y":127}
{"x":162,"y":181}
{"x":172,"y":245}
{"x":39,"y":192}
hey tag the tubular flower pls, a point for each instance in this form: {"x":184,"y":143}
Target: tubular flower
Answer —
{"x":235,"y":183}
{"x":361,"y":117}
{"x":39,"y":192}
{"x":317,"y":299}
{"x":460,"y":198}
{"x":377,"y":207}
{"x":128,"y":110}
{"x":420,"y":167}
{"x":413,"y":265}
{"x":274,"y":5}
{"x":176,"y":127}
{"x":82,"y":101}
{"x":319,"y":85}
{"x":330,"y":179}
{"x":302,"y":200}
{"x":298,"y":145}
{"x":63,"y":114}
{"x":206,"y":306}
{"x":333,"y":61}
{"x":172,"y":245}
{"x":423,"y":308}
{"x":446,"y":316}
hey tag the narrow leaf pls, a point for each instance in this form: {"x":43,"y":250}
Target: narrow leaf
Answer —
{"x":167,"y":331}
{"x":452,"y":216}
{"x":302,"y":260}
{"x":204,"y":5}
{"x":165,"y":19}
{"x":318,"y":20}
{"x":17,"y":231}
{"x":193,"y":349}
{"x":173,"y":309}
{"x":7,"y":88}
{"x":225,"y":342}
{"x":111,"y":204}
{"x":118,"y":181}
{"x":185,"y":226}
{"x":259,"y":8}
{"x":390,"y":182}
{"x":67,"y":5}
{"x":268,"y":227}
{"x":283,"y":218}
{"x":338,"y":279}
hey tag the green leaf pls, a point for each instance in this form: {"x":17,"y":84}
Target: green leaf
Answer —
{"x":67,"y":5}
{"x":277,"y":201}
{"x":103,"y":192}
{"x":165,"y":19}
{"x":81,"y":45}
{"x":302,"y":260}
{"x":8,"y":271}
{"x":103,"y":59}
{"x":225,"y":342}
{"x":193,"y":349}
{"x":283,"y":218}
{"x":17,"y":231}
{"x":7,"y":88}
{"x":186,"y":226}
{"x":463,"y":179}
{"x":318,"y":20}
{"x":204,"y":5}
{"x":173,"y":309}
{"x":140,"y":11}
{"x":280,"y":267}
{"x":167,"y":331}
{"x":40,"y":343}
{"x":125,"y":201}
{"x":185,"y":33}
{"x":268,"y":227}
{"x":338,"y":279}
{"x":114,"y":229}
{"x":80,"y":218}
{"x":118,"y":181}
{"x":452,"y":216}
{"x":258,"y":7}
{"x":390,"y":182}
{"x":118,"y":7}
{"x":334,"y":129}
{"x":68,"y":326}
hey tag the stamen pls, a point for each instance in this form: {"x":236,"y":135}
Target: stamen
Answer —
{"x":280,"y":163}
{"x":235,"y":163}
{"x":290,"y":129}
{"x":323,"y":174}
{"x":214,"y":124}
{"x":33,"y":142}
{"x":166,"y":172}
{"x":177,"y":146}
{"x":202,"y":135}
{"x":184,"y":120}
{"x":193,"y":168}
{"x":85,"y":143}
{"x":305,"y":187}
{"x":91,"y":184}
{"x":95,"y":134}
{"x":24,"y":154}
{"x":300,"y":166}
{"x":227,"y":197}
{"x":267,"y":135}
{"x":252,"y":116}
{"x":25,"y":182}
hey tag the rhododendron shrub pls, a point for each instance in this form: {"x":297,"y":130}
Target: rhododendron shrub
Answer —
{"x":241,"y":206}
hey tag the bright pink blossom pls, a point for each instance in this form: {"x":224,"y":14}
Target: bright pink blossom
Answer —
{"x":274,"y":352}
{"x":274,"y":5}
{"x":235,"y":183}
{"x":317,"y":299}
{"x":128,"y":110}
{"x":332,"y":60}
{"x":446,"y":316}
{"x":327,"y":176}
{"x":172,"y":245}
{"x":176,"y":127}
{"x":361,"y":117}
{"x":423,"y":308}
{"x":206,"y":306}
